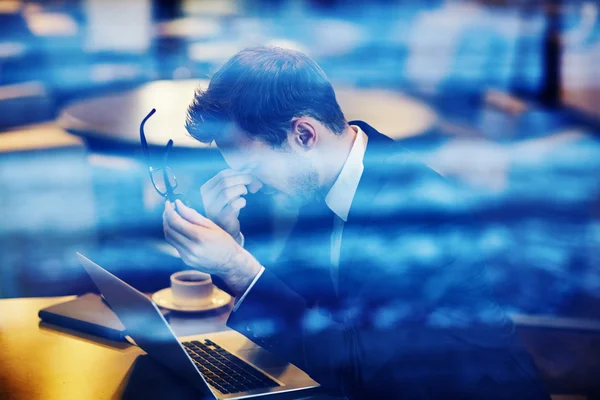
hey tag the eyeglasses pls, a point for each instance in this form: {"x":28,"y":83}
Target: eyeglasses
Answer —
{"x":162,"y":178}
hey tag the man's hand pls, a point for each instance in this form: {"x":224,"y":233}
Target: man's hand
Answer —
{"x":202,"y":244}
{"x":223,"y":198}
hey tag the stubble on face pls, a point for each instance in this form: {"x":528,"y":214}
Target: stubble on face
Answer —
{"x":300,"y":190}
{"x":304,"y":184}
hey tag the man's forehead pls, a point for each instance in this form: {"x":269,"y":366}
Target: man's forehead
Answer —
{"x":232,"y":138}
{"x":236,"y":147}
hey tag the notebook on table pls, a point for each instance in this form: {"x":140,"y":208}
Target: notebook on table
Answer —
{"x":87,"y":313}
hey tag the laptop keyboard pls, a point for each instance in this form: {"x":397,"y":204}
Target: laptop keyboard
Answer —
{"x":224,"y":371}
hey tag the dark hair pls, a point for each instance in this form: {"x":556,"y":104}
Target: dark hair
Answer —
{"x":261,"y":90}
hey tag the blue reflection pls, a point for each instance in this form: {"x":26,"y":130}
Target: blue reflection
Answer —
{"x":526,"y":198}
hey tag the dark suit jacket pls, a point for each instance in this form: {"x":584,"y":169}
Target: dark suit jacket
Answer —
{"x":413,"y":317}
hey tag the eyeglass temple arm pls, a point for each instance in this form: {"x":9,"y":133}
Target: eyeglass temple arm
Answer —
{"x":143,"y":136}
{"x":170,"y":189}
{"x":168,"y":148}
{"x":171,"y":195}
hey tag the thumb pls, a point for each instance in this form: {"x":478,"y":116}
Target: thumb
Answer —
{"x":254,"y":186}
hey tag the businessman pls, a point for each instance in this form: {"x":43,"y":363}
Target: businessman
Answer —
{"x":359,"y":265}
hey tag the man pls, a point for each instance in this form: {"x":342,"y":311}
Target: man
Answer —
{"x":374,"y":289}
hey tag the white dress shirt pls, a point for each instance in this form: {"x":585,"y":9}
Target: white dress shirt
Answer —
{"x":339,"y":200}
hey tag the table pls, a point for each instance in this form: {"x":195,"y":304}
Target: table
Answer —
{"x":115,"y":118}
{"x":42,"y":361}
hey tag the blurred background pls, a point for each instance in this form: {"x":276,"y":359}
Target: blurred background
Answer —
{"x":503,"y":96}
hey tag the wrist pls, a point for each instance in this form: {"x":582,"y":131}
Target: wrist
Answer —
{"x":243,"y":270}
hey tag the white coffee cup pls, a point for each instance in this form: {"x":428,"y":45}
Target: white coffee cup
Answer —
{"x":191,"y":288}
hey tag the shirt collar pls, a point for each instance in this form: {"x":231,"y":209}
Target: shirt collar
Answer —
{"x":340,"y":196}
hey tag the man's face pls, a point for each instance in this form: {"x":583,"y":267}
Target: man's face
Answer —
{"x":283,"y":172}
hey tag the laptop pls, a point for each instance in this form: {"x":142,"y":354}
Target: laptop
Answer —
{"x":223,"y":365}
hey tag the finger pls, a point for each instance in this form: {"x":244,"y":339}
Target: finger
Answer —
{"x":242,"y":179}
{"x":173,"y":237}
{"x":210,"y":194}
{"x":212,"y":182}
{"x":226,"y":173}
{"x":181,"y":225}
{"x":177,"y":240}
{"x":230,"y":194}
{"x":191,"y":216}
{"x":255,"y":186}
{"x":168,"y":207}
{"x":237,"y":204}
{"x":228,"y":188}
{"x":183,"y":246}
{"x":233,"y":208}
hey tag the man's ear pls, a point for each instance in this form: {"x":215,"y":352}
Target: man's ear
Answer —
{"x":304,"y":133}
